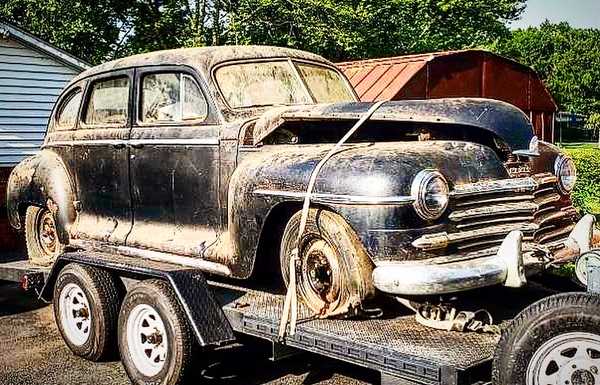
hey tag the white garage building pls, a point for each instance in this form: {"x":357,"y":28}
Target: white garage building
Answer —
{"x":32,"y":75}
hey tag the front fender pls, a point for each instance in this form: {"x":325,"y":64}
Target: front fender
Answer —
{"x":42,"y":180}
{"x":367,"y":184}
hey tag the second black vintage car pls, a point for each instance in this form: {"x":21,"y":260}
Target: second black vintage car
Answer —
{"x":203,"y":157}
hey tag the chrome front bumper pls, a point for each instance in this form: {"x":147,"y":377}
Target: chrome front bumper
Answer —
{"x":508,"y":266}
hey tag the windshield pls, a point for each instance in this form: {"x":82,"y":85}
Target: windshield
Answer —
{"x":279,"y":83}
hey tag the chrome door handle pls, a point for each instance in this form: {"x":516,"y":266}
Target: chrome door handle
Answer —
{"x":136,"y":144}
{"x":118,"y":144}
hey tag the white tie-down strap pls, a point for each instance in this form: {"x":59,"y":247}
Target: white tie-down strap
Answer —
{"x":290,"y":307}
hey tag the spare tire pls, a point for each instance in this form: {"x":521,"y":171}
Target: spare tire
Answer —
{"x":554,"y":341}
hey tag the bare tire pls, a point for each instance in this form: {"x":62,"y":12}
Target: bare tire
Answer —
{"x":41,"y":236}
{"x":86,"y":308}
{"x":334,"y":275}
{"x":554,"y":341}
{"x":155,"y":339}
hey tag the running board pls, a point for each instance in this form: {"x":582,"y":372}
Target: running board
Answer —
{"x":157,"y":256}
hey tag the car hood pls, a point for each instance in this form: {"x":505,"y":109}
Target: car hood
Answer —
{"x":377,"y":169}
{"x":502,"y":119}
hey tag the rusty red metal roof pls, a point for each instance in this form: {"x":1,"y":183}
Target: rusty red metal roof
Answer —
{"x":385,"y":78}
{"x":382,"y":79}
{"x":466,"y":73}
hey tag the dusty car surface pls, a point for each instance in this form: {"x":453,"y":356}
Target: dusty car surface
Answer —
{"x":202,"y":157}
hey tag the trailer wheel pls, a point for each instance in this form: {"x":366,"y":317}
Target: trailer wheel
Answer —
{"x":86,"y":308}
{"x":41,"y":237}
{"x":334,"y":276}
{"x":155,"y":339}
{"x":553,"y":341}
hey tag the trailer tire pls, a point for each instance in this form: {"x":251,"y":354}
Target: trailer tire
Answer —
{"x":86,"y":308}
{"x":41,"y":236}
{"x":164,"y":356}
{"x":554,"y":340}
{"x":331,"y":245}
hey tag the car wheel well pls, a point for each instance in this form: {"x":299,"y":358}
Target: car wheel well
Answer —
{"x":267,"y":252}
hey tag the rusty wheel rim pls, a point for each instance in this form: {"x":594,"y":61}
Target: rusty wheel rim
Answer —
{"x":320,"y":272}
{"x":47,"y":234}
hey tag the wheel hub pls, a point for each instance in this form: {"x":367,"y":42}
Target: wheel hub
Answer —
{"x":47,"y":233}
{"x":319,"y":268}
{"x":319,"y":272}
{"x":147,"y":340}
{"x":583,"y":377}
{"x":74,"y":310}
{"x":569,"y":359}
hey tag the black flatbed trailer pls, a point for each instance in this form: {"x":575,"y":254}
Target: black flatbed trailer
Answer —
{"x":402,"y":350}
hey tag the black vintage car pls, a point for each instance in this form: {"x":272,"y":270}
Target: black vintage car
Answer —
{"x":203,"y":157}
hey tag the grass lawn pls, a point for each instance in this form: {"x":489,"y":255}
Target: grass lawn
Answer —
{"x":580,"y":145}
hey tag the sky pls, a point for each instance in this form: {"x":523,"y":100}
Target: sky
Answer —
{"x":578,"y":13}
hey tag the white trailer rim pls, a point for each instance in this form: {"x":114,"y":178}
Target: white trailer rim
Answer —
{"x":75,"y":314}
{"x":147,"y":340}
{"x":569,"y":358}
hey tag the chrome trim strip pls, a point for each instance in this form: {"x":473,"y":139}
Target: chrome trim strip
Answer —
{"x":133,"y":142}
{"x":340,"y":198}
{"x":495,"y":186}
{"x":183,"y":142}
{"x":84,"y":143}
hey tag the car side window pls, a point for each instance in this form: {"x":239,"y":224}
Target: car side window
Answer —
{"x":171,"y":97}
{"x":67,"y":112}
{"x":108,"y":102}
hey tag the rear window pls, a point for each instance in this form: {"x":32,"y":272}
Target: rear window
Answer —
{"x":67,"y":112}
{"x":108,"y":102}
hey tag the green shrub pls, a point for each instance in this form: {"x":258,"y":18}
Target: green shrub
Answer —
{"x":586,"y":195}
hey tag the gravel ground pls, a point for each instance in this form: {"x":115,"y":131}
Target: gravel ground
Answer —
{"x":32,"y":352}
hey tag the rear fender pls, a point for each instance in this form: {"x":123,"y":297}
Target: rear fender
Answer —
{"x":42,"y":180}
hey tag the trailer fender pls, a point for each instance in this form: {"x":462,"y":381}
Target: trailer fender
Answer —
{"x":203,"y":312}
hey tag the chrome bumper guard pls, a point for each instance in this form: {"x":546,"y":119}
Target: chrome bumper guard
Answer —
{"x":507,"y":267}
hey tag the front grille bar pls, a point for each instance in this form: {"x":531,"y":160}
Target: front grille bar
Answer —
{"x":483,"y":213}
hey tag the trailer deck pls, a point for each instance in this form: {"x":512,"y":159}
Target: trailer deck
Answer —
{"x":398,"y":346}
{"x":402,"y":350}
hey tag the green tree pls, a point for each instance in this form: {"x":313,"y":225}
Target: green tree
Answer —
{"x":100,"y":30}
{"x":568,"y":59}
{"x":352,"y":29}
{"x":89,"y":29}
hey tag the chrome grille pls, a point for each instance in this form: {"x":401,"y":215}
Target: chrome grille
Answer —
{"x":482,"y":214}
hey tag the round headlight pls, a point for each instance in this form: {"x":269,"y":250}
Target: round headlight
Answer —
{"x":430,"y":192}
{"x":564,"y":169}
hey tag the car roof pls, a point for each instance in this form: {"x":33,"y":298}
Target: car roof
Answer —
{"x":201,"y":58}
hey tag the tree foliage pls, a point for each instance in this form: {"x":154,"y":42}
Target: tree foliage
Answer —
{"x":338,"y":29}
{"x":351,"y":29}
{"x":100,"y":30}
{"x":568,"y":59}
{"x":89,"y":29}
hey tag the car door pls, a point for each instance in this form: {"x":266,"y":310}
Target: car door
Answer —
{"x":174,"y":163}
{"x":100,"y":159}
